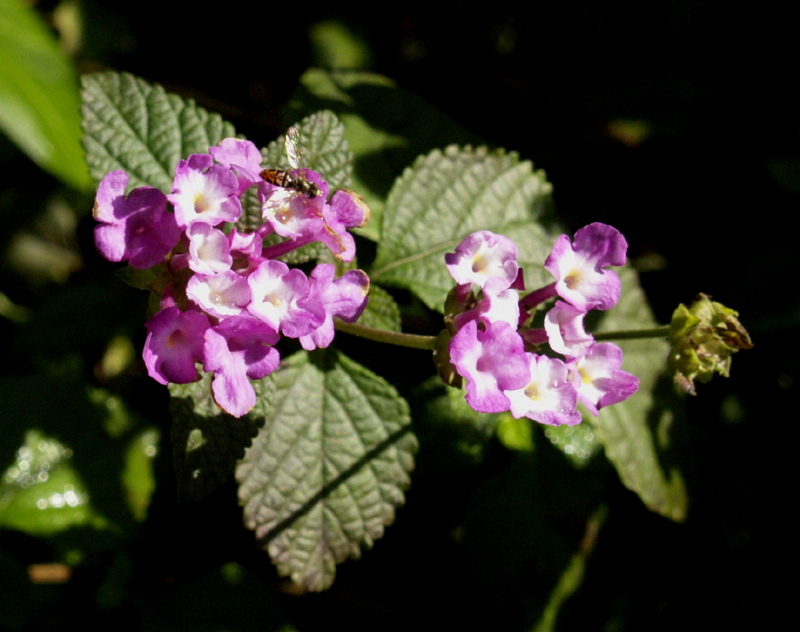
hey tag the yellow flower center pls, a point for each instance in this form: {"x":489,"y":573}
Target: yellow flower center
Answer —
{"x":573,"y":278}
{"x":479,"y":263}
{"x":532,"y":391}
{"x":200,"y":203}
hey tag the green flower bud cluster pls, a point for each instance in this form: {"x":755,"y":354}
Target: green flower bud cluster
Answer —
{"x":703,"y":338}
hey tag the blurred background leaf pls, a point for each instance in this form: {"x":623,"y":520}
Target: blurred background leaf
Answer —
{"x":39,"y":95}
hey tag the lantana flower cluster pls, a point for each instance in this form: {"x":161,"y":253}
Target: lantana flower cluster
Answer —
{"x":225,"y":298}
{"x":494,"y":347}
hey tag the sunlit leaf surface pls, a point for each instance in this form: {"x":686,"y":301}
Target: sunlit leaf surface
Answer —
{"x":449,"y":194}
{"x":132,"y":125}
{"x":328,"y":469}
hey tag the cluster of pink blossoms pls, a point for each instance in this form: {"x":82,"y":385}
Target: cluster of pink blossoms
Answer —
{"x":225,"y":298}
{"x":491,"y":344}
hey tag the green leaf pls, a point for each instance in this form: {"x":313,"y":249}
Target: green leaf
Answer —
{"x":337,"y":46}
{"x":138,"y":477}
{"x":326,"y":472}
{"x":65,"y":443}
{"x":324,"y":150}
{"x":132,"y":125}
{"x":445,"y":196}
{"x":41,"y":494}
{"x":578,"y":443}
{"x":206,"y":442}
{"x":635,"y":433}
{"x":447,"y":405}
{"x":573,"y":574}
{"x":381,"y":312}
{"x":515,"y":434}
{"x":387,"y":128}
{"x":39,"y":95}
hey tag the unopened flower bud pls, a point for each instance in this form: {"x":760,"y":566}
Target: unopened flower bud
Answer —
{"x":704,"y":336}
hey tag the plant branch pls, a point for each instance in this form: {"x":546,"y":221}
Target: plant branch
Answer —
{"x":415,"y":341}
{"x":655,"y":332}
{"x":412,"y":341}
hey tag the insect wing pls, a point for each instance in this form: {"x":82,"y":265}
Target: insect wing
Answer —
{"x":276,"y":202}
{"x":293,"y":150}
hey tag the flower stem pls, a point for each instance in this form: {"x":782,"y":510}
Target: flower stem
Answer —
{"x":538,"y":296}
{"x":655,"y":332}
{"x":413,"y":341}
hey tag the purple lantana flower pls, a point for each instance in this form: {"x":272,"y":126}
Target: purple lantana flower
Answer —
{"x":280,"y":297}
{"x":240,"y":299}
{"x":492,"y":361}
{"x":490,"y":328}
{"x":345,"y":210}
{"x":564,"y":327}
{"x":243,"y":157}
{"x":579,"y":267}
{"x":209,"y":249}
{"x":345,"y":297}
{"x":221,"y":295}
{"x":204,"y":192}
{"x":549,"y":397}
{"x":174,"y":343}
{"x":238,"y":350}
{"x":291,"y":213}
{"x":599,"y":379}
{"x":482,"y":256}
{"x":138,"y":228}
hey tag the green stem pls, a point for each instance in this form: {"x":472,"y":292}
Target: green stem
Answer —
{"x":415,"y":341}
{"x":655,"y":332}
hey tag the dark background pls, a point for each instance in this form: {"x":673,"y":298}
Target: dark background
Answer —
{"x":704,"y":195}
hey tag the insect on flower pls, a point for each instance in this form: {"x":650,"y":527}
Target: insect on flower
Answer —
{"x":298,"y":183}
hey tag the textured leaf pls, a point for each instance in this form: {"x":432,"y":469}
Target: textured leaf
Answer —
{"x":635,"y":433}
{"x":387,"y":128}
{"x":324,"y":146}
{"x":132,"y":125}
{"x":325,"y":473}
{"x":39,"y":95}
{"x":447,"y":195}
{"x":381,"y":312}
{"x":206,"y":442}
{"x":324,"y":150}
{"x":251,"y":217}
